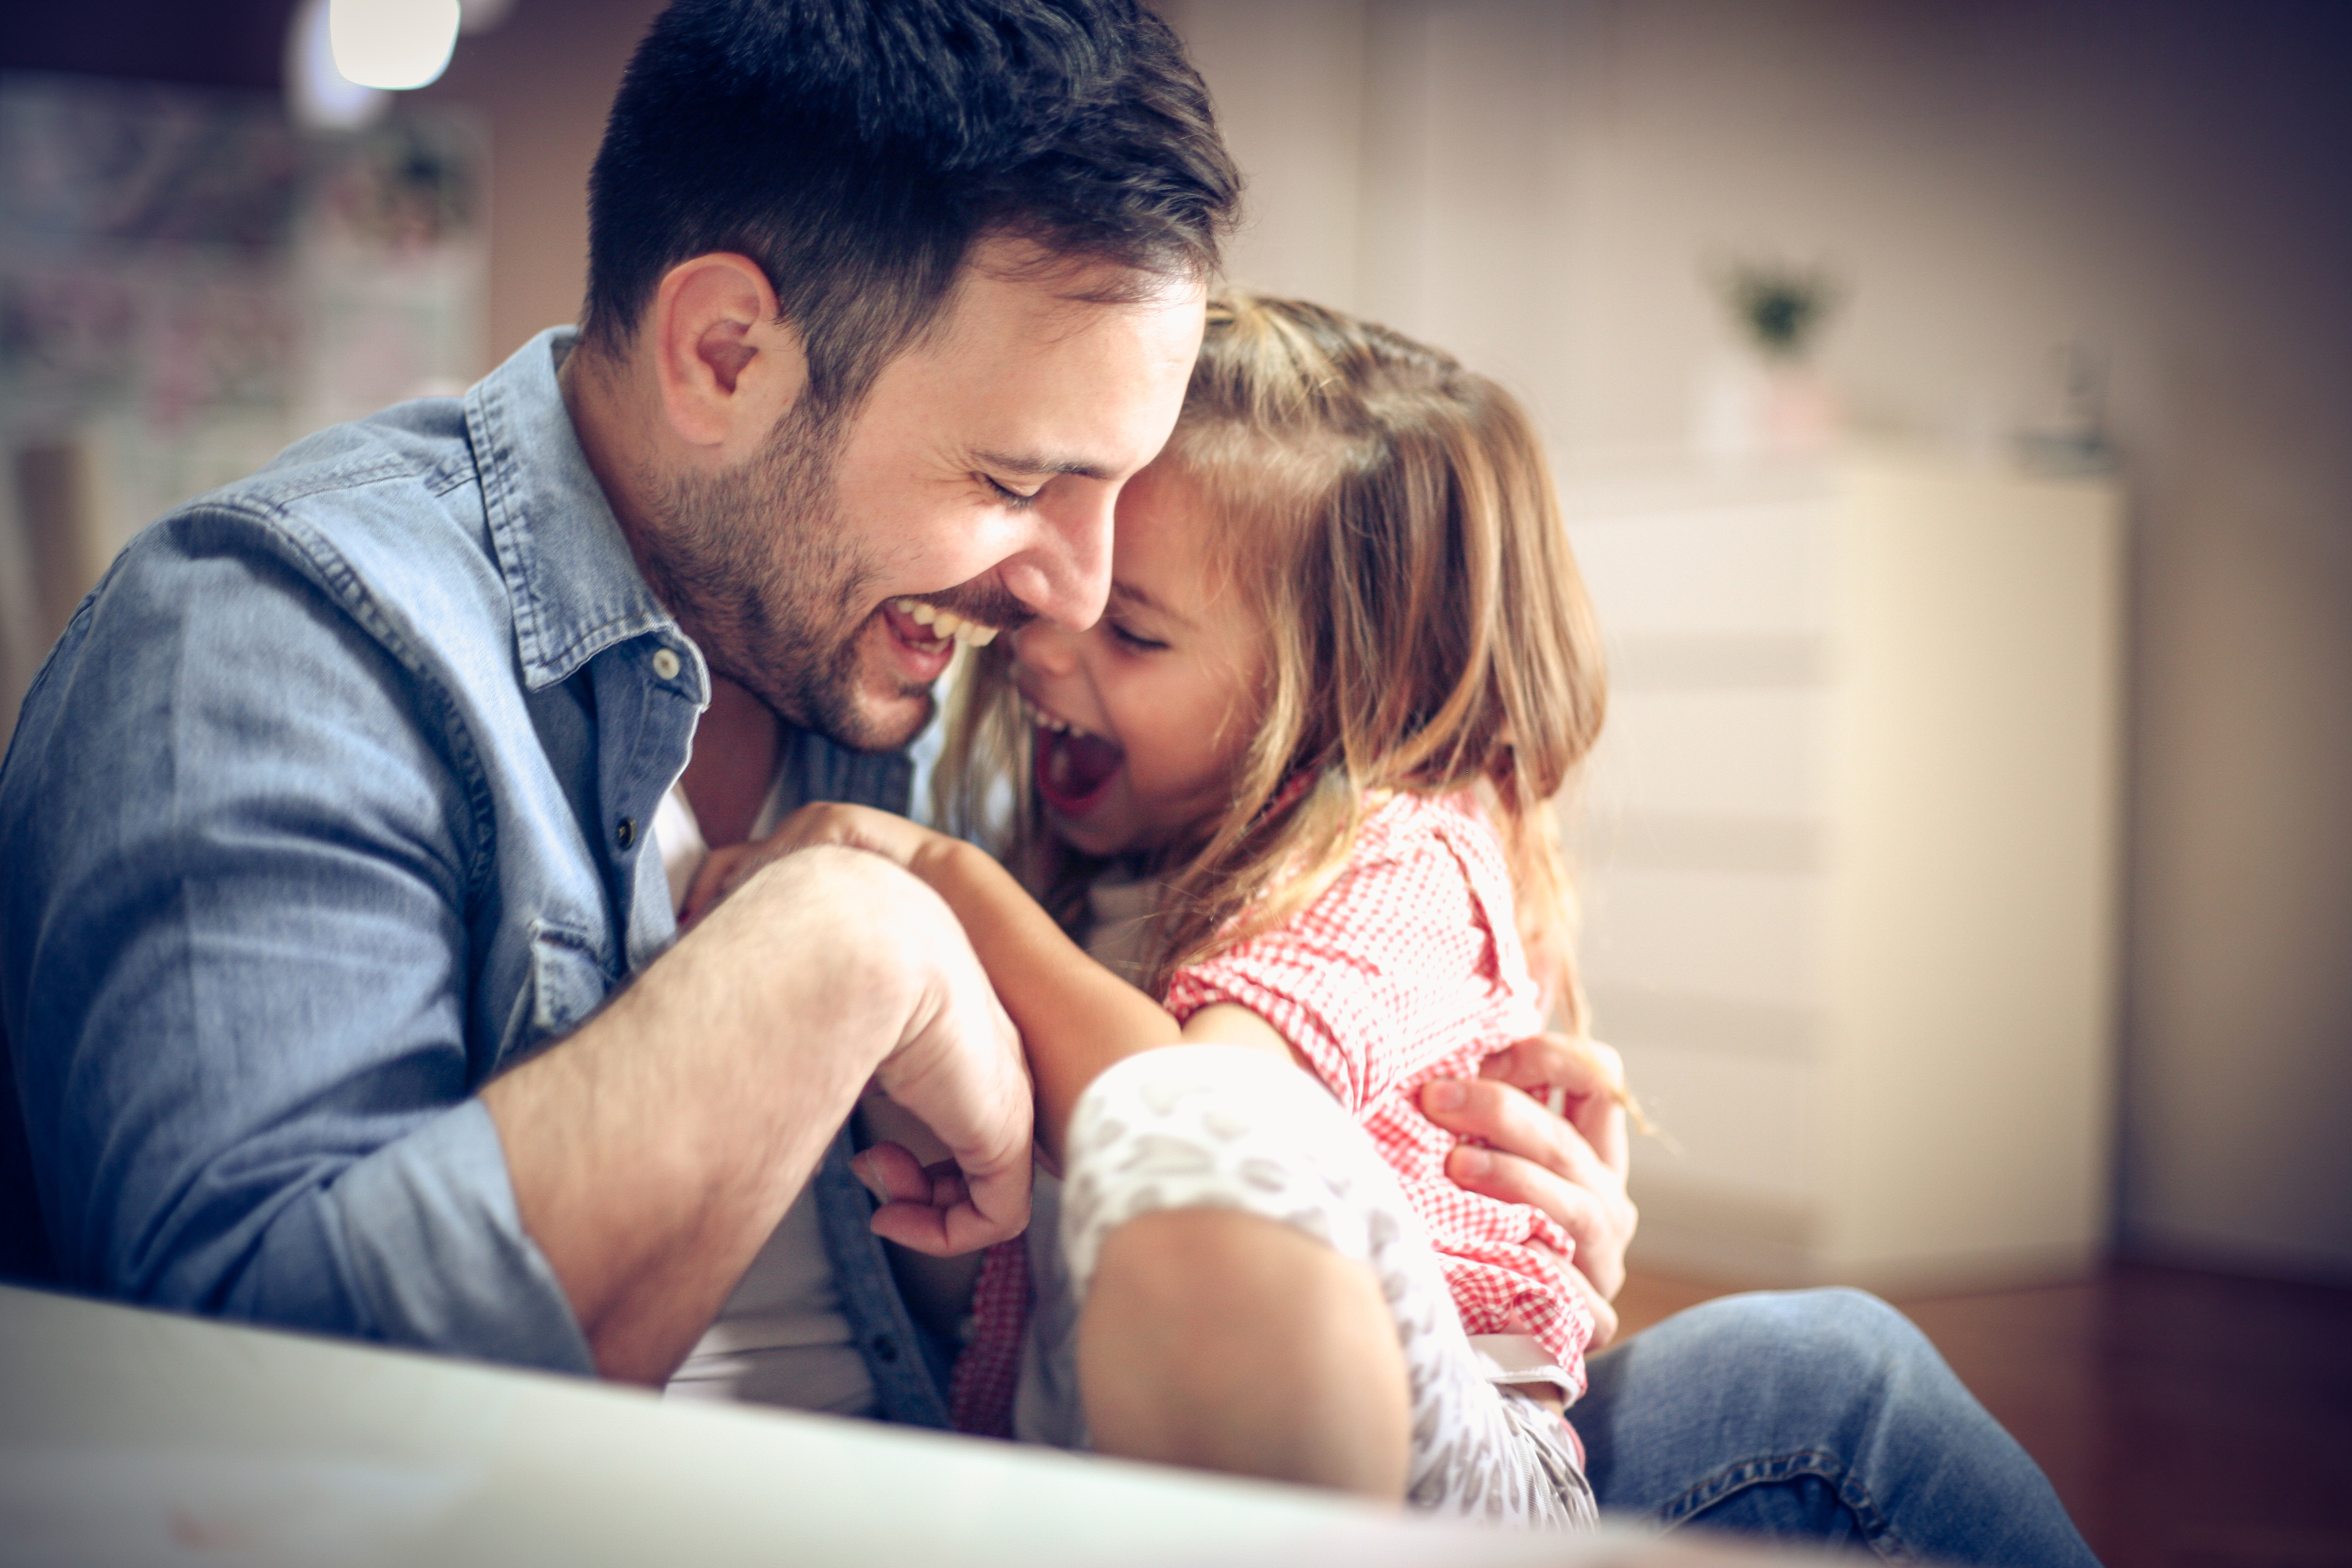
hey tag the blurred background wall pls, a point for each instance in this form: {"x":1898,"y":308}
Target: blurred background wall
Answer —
{"x":1542,"y":187}
{"x":2159,"y":190}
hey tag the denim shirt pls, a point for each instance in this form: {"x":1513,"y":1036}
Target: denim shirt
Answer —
{"x":334,"y":799}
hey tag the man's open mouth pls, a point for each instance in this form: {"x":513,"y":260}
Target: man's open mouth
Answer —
{"x":931,"y":628}
{"x":1073,"y":767}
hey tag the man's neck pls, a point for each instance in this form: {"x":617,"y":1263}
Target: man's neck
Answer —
{"x":734,"y":762}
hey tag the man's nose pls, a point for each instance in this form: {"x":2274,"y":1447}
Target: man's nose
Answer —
{"x":1065,"y":576}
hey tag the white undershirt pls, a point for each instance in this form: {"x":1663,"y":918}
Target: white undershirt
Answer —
{"x":782,"y":1338}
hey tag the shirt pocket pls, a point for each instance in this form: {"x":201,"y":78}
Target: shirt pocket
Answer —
{"x":566,"y":980}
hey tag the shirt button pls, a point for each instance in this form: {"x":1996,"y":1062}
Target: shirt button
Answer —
{"x":626,"y":832}
{"x":666,"y":663}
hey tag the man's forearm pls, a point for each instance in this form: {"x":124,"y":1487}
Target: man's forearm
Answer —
{"x":653,"y":1151}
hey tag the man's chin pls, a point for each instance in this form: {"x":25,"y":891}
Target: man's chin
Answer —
{"x":860,"y":697}
{"x":865,"y":719}
{"x":857,"y":715}
{"x":874,"y":710}
{"x":892,"y":724}
{"x":889,"y":690}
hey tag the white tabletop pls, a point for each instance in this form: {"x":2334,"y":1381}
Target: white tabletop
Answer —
{"x":130,"y":1437}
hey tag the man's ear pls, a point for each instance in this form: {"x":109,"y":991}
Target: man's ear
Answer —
{"x":727,"y":368}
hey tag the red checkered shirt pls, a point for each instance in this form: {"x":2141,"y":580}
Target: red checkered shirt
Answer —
{"x":1408,"y":967}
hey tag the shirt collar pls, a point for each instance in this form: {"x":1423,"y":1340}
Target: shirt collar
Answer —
{"x":575,"y":588}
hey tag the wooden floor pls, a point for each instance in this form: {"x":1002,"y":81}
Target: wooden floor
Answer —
{"x":2189,"y":1420}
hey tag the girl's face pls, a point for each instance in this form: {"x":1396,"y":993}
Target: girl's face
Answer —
{"x":1141,"y":720}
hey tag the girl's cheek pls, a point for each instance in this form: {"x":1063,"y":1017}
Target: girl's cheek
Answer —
{"x":1247,"y":695}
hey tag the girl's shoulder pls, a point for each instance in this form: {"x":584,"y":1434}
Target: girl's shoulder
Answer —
{"x":1400,"y":827}
{"x":1421,"y":873}
{"x":1435,"y":862}
{"x":1418,"y":861}
{"x":1399,"y":961}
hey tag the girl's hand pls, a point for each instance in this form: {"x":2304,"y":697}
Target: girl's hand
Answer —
{"x":827,"y":822}
{"x":884,"y":833}
{"x":1572,"y":1166}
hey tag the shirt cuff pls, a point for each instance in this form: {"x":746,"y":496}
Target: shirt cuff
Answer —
{"x":439,"y":1255}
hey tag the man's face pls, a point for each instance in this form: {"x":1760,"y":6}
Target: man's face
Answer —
{"x":977,"y":479}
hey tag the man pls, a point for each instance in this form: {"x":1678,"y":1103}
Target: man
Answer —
{"x":337,"y":966}
{"x":307,"y":995}
{"x":884,"y":306}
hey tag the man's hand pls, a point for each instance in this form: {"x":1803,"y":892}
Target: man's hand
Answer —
{"x":653,"y":1151}
{"x":959,"y":1070}
{"x":1571,"y":1167}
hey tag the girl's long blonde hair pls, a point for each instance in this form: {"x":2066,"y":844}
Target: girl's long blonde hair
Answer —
{"x":1390,"y":517}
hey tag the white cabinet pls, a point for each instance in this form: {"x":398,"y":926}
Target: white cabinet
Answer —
{"x":1848,"y":854}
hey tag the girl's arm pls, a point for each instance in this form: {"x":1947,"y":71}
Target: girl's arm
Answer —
{"x":1075,"y":1016}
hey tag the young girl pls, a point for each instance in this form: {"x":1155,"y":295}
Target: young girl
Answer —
{"x":1293,"y":786}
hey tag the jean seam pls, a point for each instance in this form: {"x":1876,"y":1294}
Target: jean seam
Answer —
{"x":1852,"y":1495}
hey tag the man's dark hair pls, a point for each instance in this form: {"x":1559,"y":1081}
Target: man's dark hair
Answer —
{"x":856,"y":149}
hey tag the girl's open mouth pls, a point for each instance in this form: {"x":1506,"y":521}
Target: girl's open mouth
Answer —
{"x":1073,"y":768}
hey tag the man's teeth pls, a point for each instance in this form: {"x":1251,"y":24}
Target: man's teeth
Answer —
{"x":946,"y":623}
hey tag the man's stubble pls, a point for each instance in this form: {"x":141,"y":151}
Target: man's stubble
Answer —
{"x":757,"y":566}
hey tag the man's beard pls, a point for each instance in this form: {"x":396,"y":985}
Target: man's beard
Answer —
{"x":755,"y":563}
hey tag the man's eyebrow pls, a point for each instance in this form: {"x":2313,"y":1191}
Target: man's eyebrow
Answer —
{"x":1039,"y":463}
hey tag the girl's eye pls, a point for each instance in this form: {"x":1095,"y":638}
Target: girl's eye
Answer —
{"x":1128,"y":640}
{"x":1015,"y":500}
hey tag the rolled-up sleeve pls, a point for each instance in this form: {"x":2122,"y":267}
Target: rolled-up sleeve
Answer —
{"x":435,"y":1210}
{"x":246,"y":848}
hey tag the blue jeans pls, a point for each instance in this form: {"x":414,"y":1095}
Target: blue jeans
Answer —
{"x":1820,"y":1415}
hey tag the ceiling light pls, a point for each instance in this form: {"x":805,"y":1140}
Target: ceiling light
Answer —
{"x":395,"y":44}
